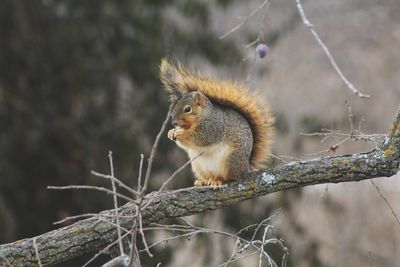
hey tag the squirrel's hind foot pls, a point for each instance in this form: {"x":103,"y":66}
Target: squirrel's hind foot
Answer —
{"x":200,"y":182}
{"x":216,"y":181}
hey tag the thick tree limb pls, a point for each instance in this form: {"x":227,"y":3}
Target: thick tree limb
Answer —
{"x":93,"y":234}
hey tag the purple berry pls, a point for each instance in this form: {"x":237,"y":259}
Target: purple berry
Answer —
{"x":262,"y":50}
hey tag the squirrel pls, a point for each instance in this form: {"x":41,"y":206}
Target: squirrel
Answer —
{"x":224,"y":128}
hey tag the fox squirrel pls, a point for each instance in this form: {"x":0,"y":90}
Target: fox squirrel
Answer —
{"x":219,"y":122}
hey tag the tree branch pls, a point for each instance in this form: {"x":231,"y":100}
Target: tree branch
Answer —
{"x":95,"y":233}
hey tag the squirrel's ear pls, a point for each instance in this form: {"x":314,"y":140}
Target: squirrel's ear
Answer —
{"x":199,"y":98}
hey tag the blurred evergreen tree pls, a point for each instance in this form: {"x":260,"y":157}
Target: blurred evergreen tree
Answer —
{"x":80,"y":78}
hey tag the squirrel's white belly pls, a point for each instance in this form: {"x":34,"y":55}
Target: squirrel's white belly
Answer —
{"x":211,"y":162}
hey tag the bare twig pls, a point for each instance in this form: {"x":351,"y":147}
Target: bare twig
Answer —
{"x":104,"y":250}
{"x":310,"y":26}
{"x":386,"y":201}
{"x":37,"y":252}
{"x":134,"y":252}
{"x":258,"y":40}
{"x":88,"y":215}
{"x":140,"y":173}
{"x":121,"y":246}
{"x":188,"y":230}
{"x":120,"y":261}
{"x":113,"y":224}
{"x":119,"y":182}
{"x":137,"y":223}
{"x":154,"y":149}
{"x":153,"y":195}
{"x":353,"y":134}
{"x":325,"y":191}
{"x":178,"y":171}
{"x":143,"y":236}
{"x":90,"y":187}
{"x":245,"y":20}
{"x":351,"y":117}
{"x":270,"y":261}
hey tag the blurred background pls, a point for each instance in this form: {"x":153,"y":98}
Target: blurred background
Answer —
{"x":80,"y":78}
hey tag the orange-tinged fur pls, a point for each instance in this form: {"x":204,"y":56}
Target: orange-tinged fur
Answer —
{"x":229,"y":94}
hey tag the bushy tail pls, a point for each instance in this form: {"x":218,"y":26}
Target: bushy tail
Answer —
{"x":177,"y":80}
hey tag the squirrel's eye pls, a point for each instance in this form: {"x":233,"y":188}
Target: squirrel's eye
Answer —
{"x":187,"y":109}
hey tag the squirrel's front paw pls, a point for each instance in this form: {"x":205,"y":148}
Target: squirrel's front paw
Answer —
{"x":179,"y":134}
{"x":176,"y":134}
{"x":171,"y":134}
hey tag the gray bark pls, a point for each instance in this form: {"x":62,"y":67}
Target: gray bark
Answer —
{"x":93,"y":234}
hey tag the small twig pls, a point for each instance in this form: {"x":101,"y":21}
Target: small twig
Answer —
{"x":244,"y":21}
{"x":262,"y":222}
{"x":350,"y":116}
{"x":120,"y":261}
{"x":283,"y":157}
{"x":260,"y":36}
{"x":121,"y":246}
{"x":249,"y":243}
{"x":278,"y":158}
{"x":234,"y":259}
{"x":114,"y":224}
{"x":133,"y":254}
{"x":178,"y":171}
{"x":140,"y":173}
{"x":154,"y":149}
{"x":90,"y":187}
{"x":262,"y":246}
{"x":188,"y":230}
{"x":310,"y":26}
{"x":37,"y":252}
{"x":88,"y":215}
{"x":134,"y":251}
{"x":158,"y":193}
{"x":143,"y":236}
{"x":325,"y":191}
{"x":353,"y":134}
{"x":104,"y":250}
{"x":237,"y":244}
{"x":334,"y":147}
{"x":137,"y":224}
{"x":251,"y":67}
{"x":119,"y":182}
{"x":165,"y":240}
{"x":386,"y":201}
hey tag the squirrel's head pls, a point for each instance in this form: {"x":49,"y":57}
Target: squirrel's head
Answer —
{"x":188,"y":109}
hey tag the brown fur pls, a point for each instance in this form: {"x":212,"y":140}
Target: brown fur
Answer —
{"x":178,"y":80}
